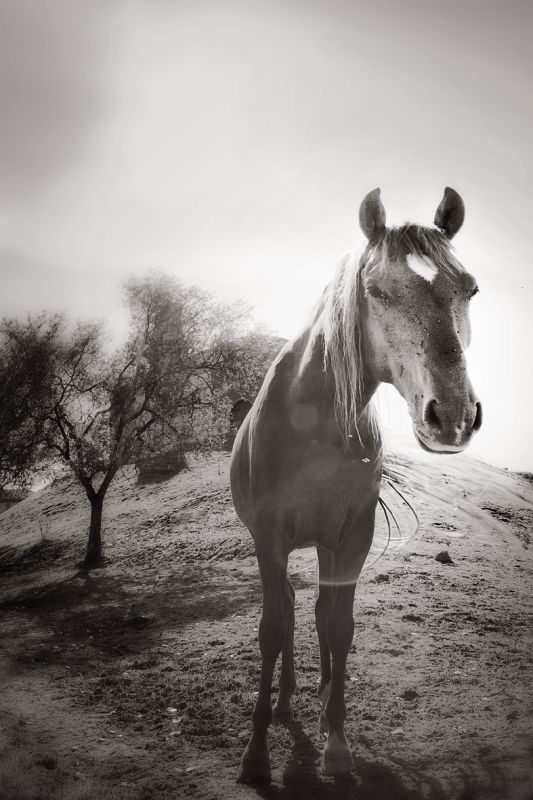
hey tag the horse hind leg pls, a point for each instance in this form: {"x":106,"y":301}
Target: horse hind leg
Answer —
{"x":255,"y":762}
{"x":287,"y":680}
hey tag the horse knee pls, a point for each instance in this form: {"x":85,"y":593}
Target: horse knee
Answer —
{"x":322,"y":609}
{"x":340,"y":629}
{"x":288,"y":605}
{"x":271,"y":634}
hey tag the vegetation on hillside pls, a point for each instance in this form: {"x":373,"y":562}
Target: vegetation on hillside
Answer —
{"x":66,"y":401}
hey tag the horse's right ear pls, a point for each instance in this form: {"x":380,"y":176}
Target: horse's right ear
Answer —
{"x":372,"y":216}
{"x":450,"y":214}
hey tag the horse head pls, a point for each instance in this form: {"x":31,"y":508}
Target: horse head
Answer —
{"x":414,"y":304}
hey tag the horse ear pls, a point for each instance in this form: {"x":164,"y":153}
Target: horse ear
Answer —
{"x":450,"y":214}
{"x":372,"y":216}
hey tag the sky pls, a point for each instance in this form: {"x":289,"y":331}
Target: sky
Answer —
{"x":230,"y":144}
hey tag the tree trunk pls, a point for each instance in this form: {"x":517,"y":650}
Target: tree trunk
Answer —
{"x":93,"y":555}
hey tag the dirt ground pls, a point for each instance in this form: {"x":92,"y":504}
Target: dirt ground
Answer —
{"x":138,"y":680}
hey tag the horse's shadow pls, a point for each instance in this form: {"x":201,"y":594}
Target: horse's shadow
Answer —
{"x":302,"y":779}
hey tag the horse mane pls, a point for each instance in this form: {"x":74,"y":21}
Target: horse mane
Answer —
{"x":342,"y":334}
{"x":342,"y":345}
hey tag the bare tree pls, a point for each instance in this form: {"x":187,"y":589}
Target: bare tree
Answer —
{"x":95,"y":412}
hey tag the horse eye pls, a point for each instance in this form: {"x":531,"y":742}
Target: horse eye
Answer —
{"x":377,"y":293}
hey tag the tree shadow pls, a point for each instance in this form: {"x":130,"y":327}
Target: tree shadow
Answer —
{"x":98,"y":610}
{"x":43,"y":553}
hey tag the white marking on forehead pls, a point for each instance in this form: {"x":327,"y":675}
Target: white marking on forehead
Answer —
{"x":423,"y":266}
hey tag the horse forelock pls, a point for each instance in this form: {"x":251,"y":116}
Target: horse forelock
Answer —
{"x":417,"y":240}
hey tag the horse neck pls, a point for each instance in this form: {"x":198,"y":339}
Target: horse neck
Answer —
{"x":315,"y":380}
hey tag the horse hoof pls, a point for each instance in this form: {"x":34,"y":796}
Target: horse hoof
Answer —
{"x":254,"y":770}
{"x":338,"y":763}
{"x":255,"y":763}
{"x":283,"y":716}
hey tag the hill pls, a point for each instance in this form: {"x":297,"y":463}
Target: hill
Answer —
{"x":138,"y":680}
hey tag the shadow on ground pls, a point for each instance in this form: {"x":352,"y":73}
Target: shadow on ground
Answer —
{"x":42,"y":554}
{"x":102,"y":612}
{"x":302,"y":780}
{"x":32,"y":767}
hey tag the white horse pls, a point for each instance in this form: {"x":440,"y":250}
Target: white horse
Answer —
{"x":306,"y":465}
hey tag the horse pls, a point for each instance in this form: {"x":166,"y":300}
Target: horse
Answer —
{"x":306,"y":464}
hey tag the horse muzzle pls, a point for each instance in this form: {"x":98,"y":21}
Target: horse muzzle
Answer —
{"x":447,"y":428}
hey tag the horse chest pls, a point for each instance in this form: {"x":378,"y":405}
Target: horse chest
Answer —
{"x":320,"y":501}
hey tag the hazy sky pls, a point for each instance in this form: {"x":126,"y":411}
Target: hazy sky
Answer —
{"x":230,"y":143}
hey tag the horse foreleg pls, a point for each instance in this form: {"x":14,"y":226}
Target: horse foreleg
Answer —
{"x":255,"y":762}
{"x":287,"y":679}
{"x":322,"y":611}
{"x":339,"y":574}
{"x":340,"y":626}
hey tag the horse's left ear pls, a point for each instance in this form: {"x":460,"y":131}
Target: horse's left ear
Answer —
{"x":450,"y":214}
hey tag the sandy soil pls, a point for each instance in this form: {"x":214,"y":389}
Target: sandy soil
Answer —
{"x":138,"y":680}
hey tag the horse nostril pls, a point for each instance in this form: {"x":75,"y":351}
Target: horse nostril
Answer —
{"x":430,"y":414}
{"x":479,"y":418}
